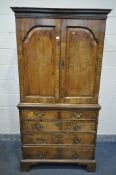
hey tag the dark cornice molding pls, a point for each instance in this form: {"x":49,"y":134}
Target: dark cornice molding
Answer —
{"x":61,"y":12}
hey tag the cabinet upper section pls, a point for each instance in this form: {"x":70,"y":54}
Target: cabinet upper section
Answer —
{"x":60,"y":54}
{"x":61,"y":13}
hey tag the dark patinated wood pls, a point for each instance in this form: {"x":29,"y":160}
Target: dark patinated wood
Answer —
{"x":59,"y":60}
{"x":24,"y":166}
{"x":26,"y":163}
{"x":61,"y":13}
{"x":91,"y":167}
{"x":58,"y":125}
{"x":43,"y":138}
{"x":61,"y":152}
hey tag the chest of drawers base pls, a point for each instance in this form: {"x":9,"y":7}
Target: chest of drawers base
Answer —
{"x":25,"y":164}
{"x":58,"y":133}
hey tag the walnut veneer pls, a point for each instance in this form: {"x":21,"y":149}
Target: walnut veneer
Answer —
{"x":59,"y":58}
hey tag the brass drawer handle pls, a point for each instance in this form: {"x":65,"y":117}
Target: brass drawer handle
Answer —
{"x":75,"y":156}
{"x":56,"y":141}
{"x":76,"y":140}
{"x":58,"y":123}
{"x":39,"y":113}
{"x":40,"y":141}
{"x":39,"y":127}
{"x":57,"y":138}
{"x":40,"y":155}
{"x":77,"y":115}
{"x":76,"y":128}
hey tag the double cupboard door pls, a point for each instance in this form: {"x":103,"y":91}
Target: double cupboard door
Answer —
{"x":59,"y":59}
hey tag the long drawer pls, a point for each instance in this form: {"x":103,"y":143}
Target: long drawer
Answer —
{"x":58,"y":152}
{"x":56,"y":115}
{"x":58,"y":138}
{"x":58,"y":125}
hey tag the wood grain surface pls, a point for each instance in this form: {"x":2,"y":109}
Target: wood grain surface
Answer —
{"x":59,"y":60}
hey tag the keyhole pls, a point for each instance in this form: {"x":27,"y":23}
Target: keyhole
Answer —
{"x":62,"y":64}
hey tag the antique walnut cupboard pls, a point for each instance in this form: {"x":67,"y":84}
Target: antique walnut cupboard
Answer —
{"x":59,"y":58}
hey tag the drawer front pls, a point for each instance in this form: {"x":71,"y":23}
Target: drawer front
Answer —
{"x":58,"y":152}
{"x":58,"y":138}
{"x":55,"y":115}
{"x":37,"y":114}
{"x":58,"y":125}
{"x":79,"y":115}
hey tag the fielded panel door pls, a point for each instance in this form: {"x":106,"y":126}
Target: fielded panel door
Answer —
{"x":81,"y":56}
{"x":38,"y":51}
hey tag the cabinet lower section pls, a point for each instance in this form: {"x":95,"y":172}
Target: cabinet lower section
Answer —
{"x":57,"y":134}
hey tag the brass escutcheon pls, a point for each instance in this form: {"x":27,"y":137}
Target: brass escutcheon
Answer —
{"x":75,"y":155}
{"x":77,"y":128}
{"x":40,"y":155}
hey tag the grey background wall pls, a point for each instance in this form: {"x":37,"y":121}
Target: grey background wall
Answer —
{"x":9,"y":85}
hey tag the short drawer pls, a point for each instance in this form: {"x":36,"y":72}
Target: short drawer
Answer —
{"x":58,"y":152}
{"x":58,"y":138}
{"x":79,"y":115}
{"x":37,"y":114}
{"x":58,"y":125}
